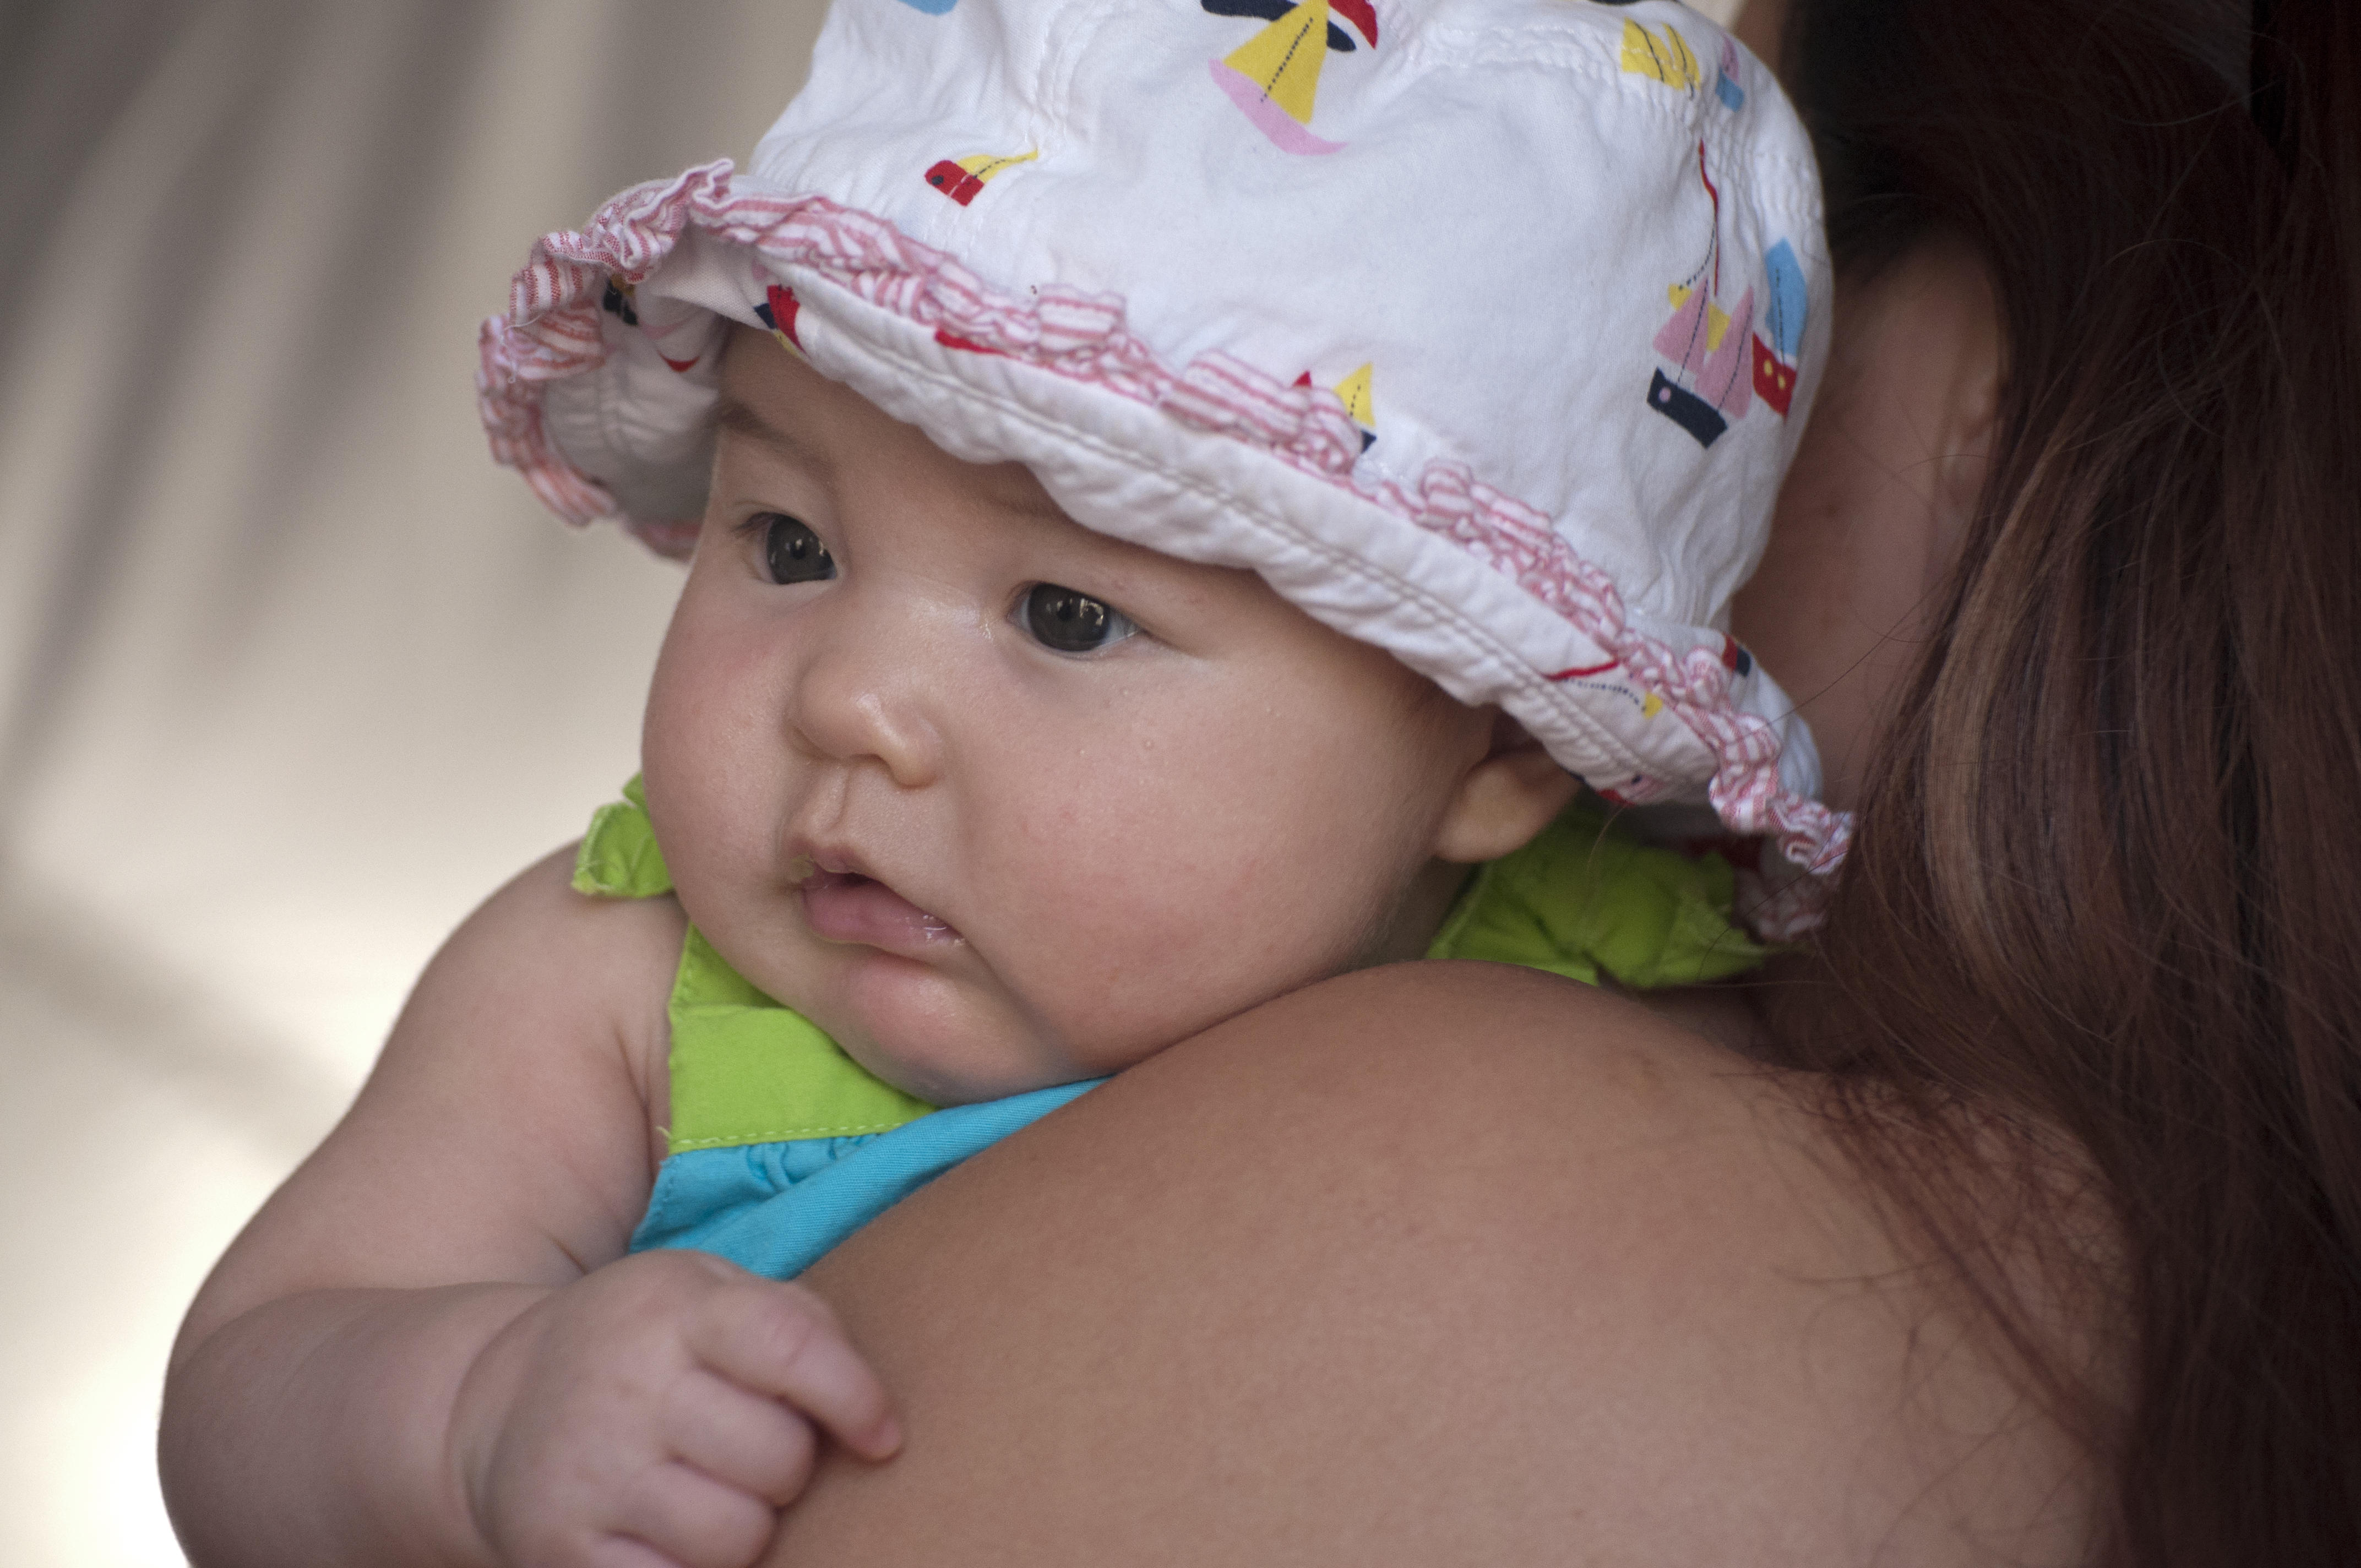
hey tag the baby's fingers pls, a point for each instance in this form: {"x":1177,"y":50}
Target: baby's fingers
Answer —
{"x":743,"y":1438}
{"x":783,"y":1341}
{"x":674,"y":1515}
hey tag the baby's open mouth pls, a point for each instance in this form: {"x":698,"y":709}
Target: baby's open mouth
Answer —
{"x":845,"y":907}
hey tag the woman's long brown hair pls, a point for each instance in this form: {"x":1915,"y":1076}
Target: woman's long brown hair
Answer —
{"x":2108,"y":876}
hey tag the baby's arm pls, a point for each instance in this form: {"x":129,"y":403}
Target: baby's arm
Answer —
{"x":423,"y":1350}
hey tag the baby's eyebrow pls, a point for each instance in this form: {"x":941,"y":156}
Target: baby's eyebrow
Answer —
{"x":741,"y":419}
{"x":1032,"y":504}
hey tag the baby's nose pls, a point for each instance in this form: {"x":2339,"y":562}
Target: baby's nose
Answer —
{"x":864,"y":693}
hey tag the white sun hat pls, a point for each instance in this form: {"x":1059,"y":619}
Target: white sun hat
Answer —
{"x":1483,"y":330}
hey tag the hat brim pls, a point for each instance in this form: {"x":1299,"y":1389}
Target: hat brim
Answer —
{"x":1211,"y":461}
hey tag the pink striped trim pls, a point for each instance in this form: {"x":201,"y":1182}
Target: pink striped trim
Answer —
{"x":552,"y":330}
{"x":1784,"y":913}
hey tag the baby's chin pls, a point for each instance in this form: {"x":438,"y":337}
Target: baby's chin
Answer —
{"x":931,"y":1036}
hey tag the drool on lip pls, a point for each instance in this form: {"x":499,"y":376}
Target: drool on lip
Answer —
{"x":845,"y":907}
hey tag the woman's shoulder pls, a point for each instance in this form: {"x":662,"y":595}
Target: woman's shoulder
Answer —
{"x":1449,"y":1262}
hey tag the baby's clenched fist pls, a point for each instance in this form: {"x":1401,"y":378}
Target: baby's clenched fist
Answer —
{"x":657,"y":1413}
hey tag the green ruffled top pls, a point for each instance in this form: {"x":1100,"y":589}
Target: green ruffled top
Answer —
{"x":1583,"y":899}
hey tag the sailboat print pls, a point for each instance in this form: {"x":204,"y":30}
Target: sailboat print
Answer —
{"x":1774,"y":361}
{"x":1274,"y":76}
{"x":778,"y":311}
{"x":1726,"y":87}
{"x":1710,"y":343}
{"x":1665,"y":58}
{"x":1360,"y":404}
{"x":961,"y":177}
{"x":1712,"y":381}
{"x":1357,"y":12}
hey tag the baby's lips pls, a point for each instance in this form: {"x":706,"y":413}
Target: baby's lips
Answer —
{"x":845,"y":907}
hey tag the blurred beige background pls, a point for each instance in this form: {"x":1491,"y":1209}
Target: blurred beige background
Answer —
{"x":290,"y":676}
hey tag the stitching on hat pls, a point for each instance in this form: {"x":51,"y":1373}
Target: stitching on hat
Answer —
{"x":1074,"y":42}
{"x":552,"y":330}
{"x":1559,"y":48}
{"x":1576,"y":50}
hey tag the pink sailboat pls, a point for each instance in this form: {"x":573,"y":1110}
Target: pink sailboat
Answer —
{"x":1713,"y":379}
{"x":1274,"y":76}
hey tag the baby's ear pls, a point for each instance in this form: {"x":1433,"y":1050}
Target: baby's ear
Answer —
{"x":1506,"y":798}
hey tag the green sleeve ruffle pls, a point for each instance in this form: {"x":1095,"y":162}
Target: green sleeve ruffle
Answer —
{"x":619,"y":857}
{"x":1585,"y":899}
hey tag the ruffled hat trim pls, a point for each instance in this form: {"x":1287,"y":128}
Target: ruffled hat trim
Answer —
{"x":552,"y":331}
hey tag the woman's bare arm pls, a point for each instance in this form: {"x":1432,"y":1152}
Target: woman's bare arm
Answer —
{"x":1444,"y":1262}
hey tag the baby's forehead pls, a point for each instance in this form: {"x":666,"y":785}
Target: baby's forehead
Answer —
{"x":771,"y":399}
{"x":774,"y":406}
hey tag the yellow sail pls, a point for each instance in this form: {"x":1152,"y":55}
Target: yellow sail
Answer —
{"x":984,"y":165}
{"x":1355,"y":391}
{"x":1666,"y":58}
{"x":1283,"y":60}
{"x":1716,"y":320}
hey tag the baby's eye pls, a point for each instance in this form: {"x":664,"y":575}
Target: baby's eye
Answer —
{"x":1073,"y":622}
{"x":793,"y":552}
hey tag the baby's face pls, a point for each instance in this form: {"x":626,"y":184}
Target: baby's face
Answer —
{"x":999,"y":802}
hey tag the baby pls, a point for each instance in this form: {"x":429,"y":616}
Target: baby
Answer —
{"x":1072,"y":657}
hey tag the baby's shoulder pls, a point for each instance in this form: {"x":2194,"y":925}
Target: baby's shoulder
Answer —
{"x":543,"y":955}
{"x":505,"y":1131}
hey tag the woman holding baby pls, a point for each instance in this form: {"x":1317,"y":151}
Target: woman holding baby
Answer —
{"x":2028,"y":1229}
{"x":2014,"y":1215}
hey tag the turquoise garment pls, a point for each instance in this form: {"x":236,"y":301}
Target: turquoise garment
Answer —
{"x":777,"y":1208}
{"x":782,"y":1145}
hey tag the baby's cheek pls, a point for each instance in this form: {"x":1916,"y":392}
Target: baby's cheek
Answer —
{"x":1148,"y":942}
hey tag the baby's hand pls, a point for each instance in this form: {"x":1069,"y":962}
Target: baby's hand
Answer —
{"x":658,"y":1413}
